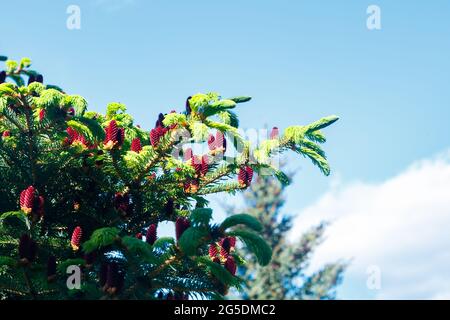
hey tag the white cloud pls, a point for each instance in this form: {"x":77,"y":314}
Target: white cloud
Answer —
{"x":401,"y":225}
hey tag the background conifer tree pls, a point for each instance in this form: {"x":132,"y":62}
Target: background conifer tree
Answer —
{"x":285,"y":277}
{"x":85,"y":189}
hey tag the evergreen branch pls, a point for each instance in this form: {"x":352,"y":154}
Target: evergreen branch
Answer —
{"x":163,"y":266}
{"x":13,"y":291}
{"x":244,"y":219}
{"x":255,"y":244}
{"x":315,"y":157}
{"x":316,"y":136}
{"x":226,"y":187}
{"x":31,"y":149}
{"x":13,"y":121}
{"x":266,"y":169}
{"x":10,"y":242}
{"x":7,"y":161}
{"x":184,"y":284}
{"x":117,"y":168}
{"x":28,"y":282}
{"x":193,"y":238}
{"x":101,"y":238}
{"x":223,"y":275}
{"x":322,"y":123}
{"x":221,"y":172}
{"x":166,"y":146}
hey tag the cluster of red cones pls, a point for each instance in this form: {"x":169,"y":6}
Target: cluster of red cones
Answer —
{"x":220,"y":252}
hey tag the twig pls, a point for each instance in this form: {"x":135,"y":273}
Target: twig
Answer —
{"x":32,"y":292}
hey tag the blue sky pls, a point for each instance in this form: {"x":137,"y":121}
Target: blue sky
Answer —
{"x":299,"y":60}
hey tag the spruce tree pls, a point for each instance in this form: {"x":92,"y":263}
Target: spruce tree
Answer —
{"x":81,"y":189}
{"x":285,"y":277}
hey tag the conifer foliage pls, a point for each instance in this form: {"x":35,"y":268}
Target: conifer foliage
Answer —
{"x":80,"y":188}
{"x":287,"y":275}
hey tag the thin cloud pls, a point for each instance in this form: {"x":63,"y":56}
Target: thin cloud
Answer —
{"x":400,"y":225}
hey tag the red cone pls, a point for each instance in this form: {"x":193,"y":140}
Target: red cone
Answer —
{"x":136,"y":145}
{"x":151,"y":235}
{"x":114,"y":136}
{"x":221,"y":142}
{"x":212,"y":250}
{"x":204,"y":165}
{"x":188,"y":154}
{"x":41,"y":114}
{"x":27,"y":197}
{"x":242,"y":176}
{"x":249,"y":171}
{"x":76,"y":238}
{"x":274,"y":133}
{"x":230,"y":265}
{"x":180,"y":226}
{"x":211,"y":142}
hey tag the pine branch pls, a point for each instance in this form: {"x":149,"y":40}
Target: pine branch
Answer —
{"x":119,"y":172}
{"x":29,"y":284}
{"x":166,"y":145}
{"x":31,"y":149}
{"x":221,"y":172}
{"x":14,"y":121}
{"x":163,"y":266}
{"x":225,"y":187}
